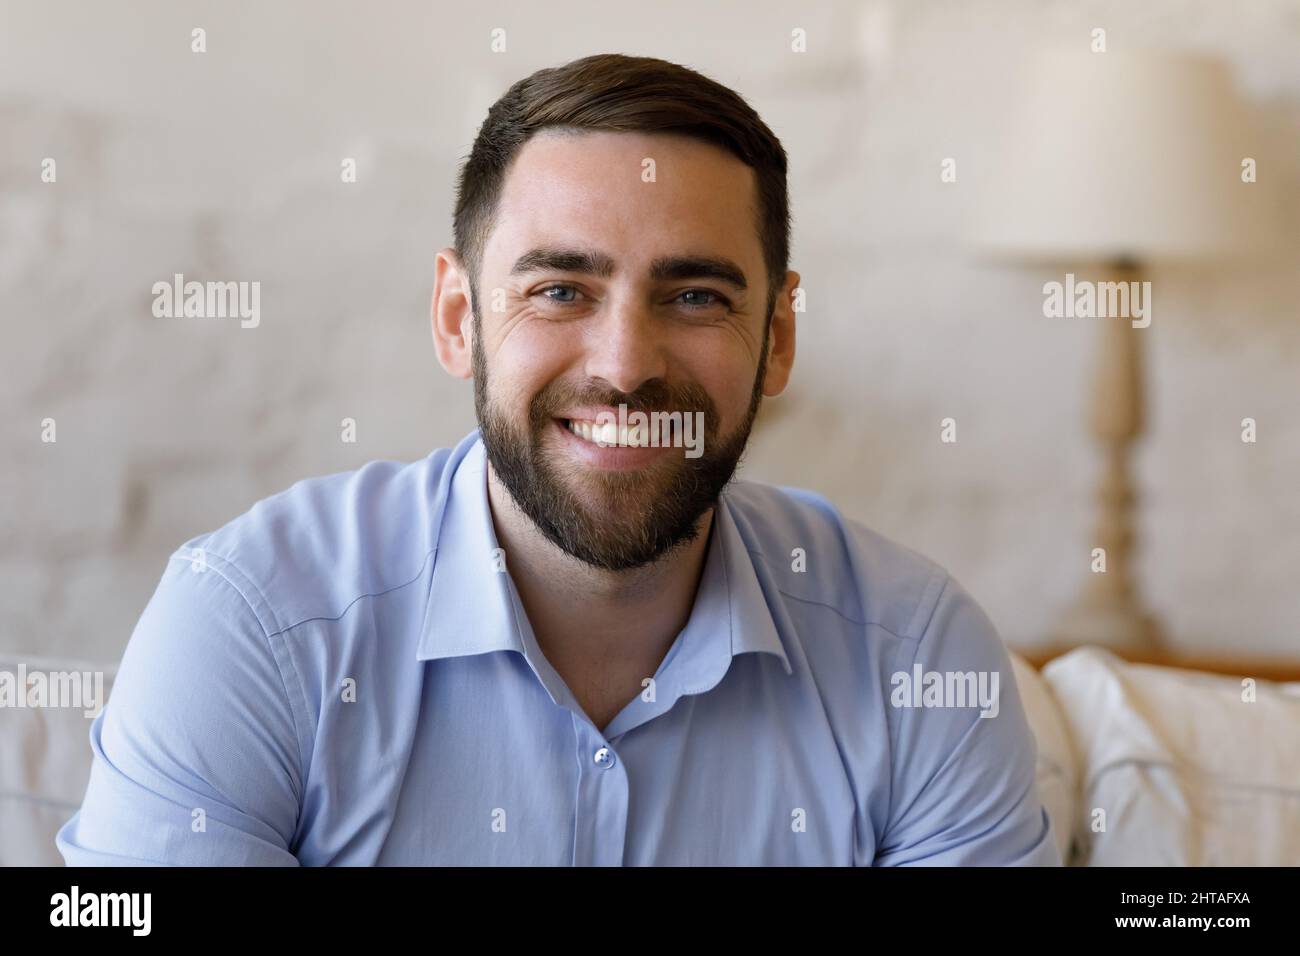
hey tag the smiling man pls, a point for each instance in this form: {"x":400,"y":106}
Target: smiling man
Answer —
{"x":566,"y":641}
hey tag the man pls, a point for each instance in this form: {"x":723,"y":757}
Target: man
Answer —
{"x":572,"y":639}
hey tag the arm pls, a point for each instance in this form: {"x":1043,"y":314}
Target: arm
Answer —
{"x":196,"y":755}
{"x":964,"y":790}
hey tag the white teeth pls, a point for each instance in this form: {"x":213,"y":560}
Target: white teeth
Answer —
{"x":609,"y":434}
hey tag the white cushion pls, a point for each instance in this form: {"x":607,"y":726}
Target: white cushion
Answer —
{"x":1057,"y":768}
{"x":1186,"y":772}
{"x":44,"y":766}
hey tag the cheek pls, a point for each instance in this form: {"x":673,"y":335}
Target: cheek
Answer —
{"x":728,"y":381}
{"x":529,"y":358}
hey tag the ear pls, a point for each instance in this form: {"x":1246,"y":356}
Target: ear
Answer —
{"x":452,"y":315}
{"x":780,"y":354}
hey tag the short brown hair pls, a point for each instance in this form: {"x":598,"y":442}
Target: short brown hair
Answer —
{"x":617,"y":93}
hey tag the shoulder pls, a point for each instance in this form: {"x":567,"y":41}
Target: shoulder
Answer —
{"x":862,"y":574}
{"x":315,"y":547}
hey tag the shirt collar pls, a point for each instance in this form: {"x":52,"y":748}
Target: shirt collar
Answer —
{"x":472,"y":602}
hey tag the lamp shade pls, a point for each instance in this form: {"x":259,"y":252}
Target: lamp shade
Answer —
{"x":1123,"y":154}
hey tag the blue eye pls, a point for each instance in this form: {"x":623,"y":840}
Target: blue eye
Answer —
{"x":558,"y":288}
{"x":714,"y":298}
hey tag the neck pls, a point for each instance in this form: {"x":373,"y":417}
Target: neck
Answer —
{"x":586,"y":617}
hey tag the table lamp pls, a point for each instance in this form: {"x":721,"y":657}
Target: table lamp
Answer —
{"x":1114,"y":161}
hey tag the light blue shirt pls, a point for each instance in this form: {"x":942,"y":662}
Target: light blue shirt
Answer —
{"x":345,"y":675}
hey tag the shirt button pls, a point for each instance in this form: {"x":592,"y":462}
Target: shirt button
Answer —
{"x":604,"y":758}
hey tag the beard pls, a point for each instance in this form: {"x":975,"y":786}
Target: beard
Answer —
{"x":612,"y":520}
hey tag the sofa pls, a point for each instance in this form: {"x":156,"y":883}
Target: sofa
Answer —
{"x":1137,"y":764}
{"x":1144,"y":765}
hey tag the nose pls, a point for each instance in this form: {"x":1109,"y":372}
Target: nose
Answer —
{"x":626,"y":348}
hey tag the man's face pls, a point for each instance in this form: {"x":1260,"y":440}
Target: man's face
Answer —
{"x":599,"y":288}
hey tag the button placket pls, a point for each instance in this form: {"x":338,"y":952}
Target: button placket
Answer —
{"x":600,"y":816}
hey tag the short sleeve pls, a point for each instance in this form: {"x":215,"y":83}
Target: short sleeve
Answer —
{"x":963,"y":790}
{"x":196,"y":755}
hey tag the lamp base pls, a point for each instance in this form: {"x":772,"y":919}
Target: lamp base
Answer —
{"x":1120,"y":627}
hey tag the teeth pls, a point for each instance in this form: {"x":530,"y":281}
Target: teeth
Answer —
{"x":609,"y":434}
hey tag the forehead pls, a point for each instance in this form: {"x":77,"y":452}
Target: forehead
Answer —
{"x":589,"y":190}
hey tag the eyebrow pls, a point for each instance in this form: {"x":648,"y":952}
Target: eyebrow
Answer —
{"x":601,"y":265}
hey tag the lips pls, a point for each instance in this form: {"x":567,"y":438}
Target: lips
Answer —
{"x":615,"y":456}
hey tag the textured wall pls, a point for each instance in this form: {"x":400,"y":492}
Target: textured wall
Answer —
{"x":225,"y":165}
